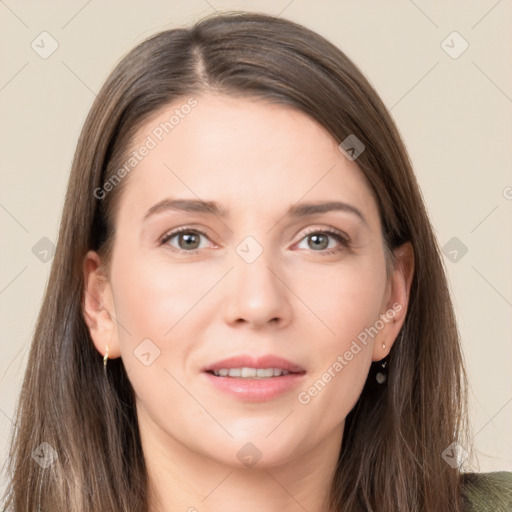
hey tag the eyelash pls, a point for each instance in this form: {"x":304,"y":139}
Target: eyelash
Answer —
{"x":342,"y":239}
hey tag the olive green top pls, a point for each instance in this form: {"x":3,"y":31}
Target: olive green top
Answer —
{"x":487,"y":492}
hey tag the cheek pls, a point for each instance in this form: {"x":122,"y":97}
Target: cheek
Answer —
{"x":350,"y":303}
{"x":156,"y":307}
{"x":152,"y":299}
{"x":346,"y":300}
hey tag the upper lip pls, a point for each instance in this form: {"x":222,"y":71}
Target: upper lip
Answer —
{"x":248,"y":361}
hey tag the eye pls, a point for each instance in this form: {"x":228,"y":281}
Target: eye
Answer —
{"x":318,"y":241}
{"x":188,"y":239}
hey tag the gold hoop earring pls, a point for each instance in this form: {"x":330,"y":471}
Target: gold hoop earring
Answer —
{"x":105,"y":359}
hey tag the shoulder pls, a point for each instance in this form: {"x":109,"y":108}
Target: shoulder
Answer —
{"x":487,"y":492}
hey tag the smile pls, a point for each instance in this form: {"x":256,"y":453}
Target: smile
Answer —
{"x":252,"y":378}
{"x":250,"y":373}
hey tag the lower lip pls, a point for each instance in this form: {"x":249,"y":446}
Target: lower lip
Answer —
{"x":256,"y":390}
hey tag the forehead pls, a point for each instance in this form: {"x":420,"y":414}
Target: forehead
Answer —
{"x":244,"y":153}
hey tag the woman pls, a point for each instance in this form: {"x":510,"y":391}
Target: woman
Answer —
{"x":247,"y":306}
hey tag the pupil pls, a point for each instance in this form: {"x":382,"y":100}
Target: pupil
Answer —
{"x":189,"y":240}
{"x":315,"y":238}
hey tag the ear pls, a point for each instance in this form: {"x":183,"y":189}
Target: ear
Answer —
{"x":99,"y":307}
{"x":396,"y":301}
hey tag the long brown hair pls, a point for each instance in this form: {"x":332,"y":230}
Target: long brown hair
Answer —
{"x":391,"y":454}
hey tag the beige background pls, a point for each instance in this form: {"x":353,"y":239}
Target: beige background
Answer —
{"x":454,"y":114}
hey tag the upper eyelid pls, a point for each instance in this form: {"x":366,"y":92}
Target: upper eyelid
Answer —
{"x":328,"y":231}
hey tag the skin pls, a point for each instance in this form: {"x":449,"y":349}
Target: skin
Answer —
{"x":294,"y":301}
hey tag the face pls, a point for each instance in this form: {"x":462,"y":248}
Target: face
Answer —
{"x":195,"y":294}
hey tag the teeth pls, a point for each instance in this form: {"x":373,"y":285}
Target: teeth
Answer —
{"x":263,"y":373}
{"x":250,"y":373}
{"x":247,"y":372}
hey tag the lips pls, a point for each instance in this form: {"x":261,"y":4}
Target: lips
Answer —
{"x":261,"y":362}
{"x":286,"y":377}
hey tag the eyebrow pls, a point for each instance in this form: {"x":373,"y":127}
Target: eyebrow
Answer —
{"x":212,"y":208}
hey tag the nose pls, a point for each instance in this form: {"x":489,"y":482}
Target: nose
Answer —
{"x":257,"y":294}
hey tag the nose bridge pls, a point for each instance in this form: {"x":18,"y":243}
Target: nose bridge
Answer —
{"x":256,"y":294}
{"x":253,"y":265}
